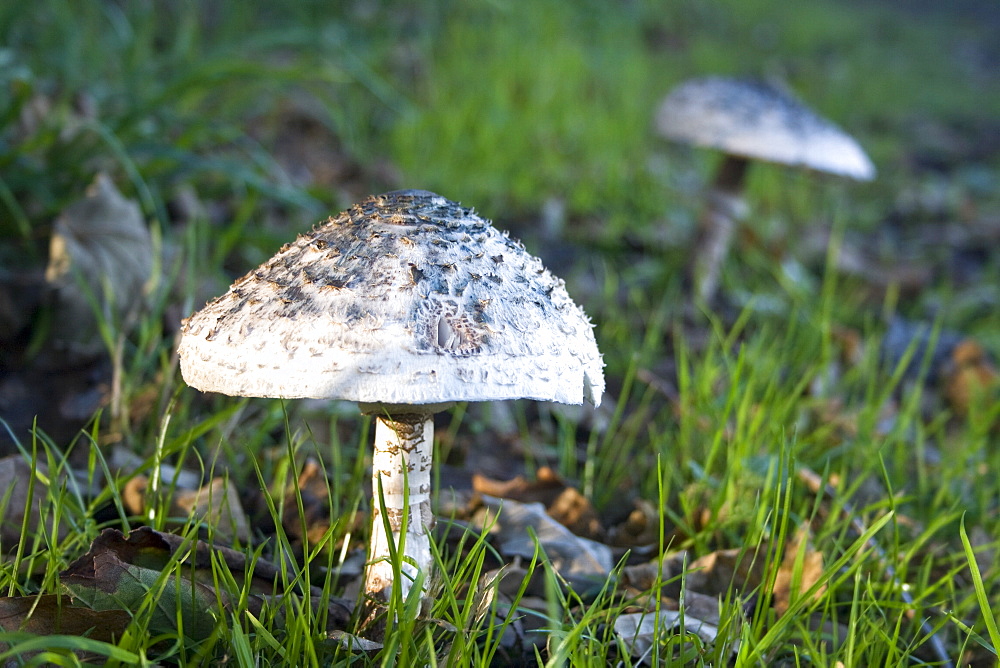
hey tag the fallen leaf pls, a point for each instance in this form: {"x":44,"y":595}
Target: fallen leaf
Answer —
{"x":546,"y":487}
{"x":575,"y":512}
{"x":639,"y":632}
{"x":640,"y":528}
{"x":104,"y":581}
{"x":563,"y":502}
{"x":134,"y":495}
{"x":218,"y":505}
{"x":356,"y":644}
{"x":800,"y":569}
{"x":569,"y":554}
{"x":118,"y":572}
{"x":970,"y":378}
{"x":153,"y":549}
{"x":719,"y":572}
{"x":100,"y":249}
{"x":51,"y":613}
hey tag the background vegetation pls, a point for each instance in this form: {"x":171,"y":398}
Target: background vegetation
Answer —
{"x":832,"y":349}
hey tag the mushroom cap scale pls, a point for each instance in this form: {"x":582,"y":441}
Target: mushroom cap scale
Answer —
{"x":406,"y":298}
{"x":755,"y":120}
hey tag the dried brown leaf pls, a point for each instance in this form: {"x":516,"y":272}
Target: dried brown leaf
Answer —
{"x":640,"y":528}
{"x":800,"y":569}
{"x":574,"y":511}
{"x":134,"y":495}
{"x":115,"y":560}
{"x":970,"y":378}
{"x":544,"y":489}
{"x":118,"y":572}
{"x":104,"y":581}
{"x":51,"y":614}
{"x":718,"y":572}
{"x":153,"y":549}
{"x":563,"y":502}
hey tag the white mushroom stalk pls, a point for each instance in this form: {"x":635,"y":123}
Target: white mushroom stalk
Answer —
{"x":401,"y":480}
{"x":725,"y":209}
{"x":405,"y":303}
{"x":402,"y":518}
{"x":748,"y":120}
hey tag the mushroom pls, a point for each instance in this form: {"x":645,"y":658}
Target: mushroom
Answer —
{"x":748,"y":120}
{"x":405,"y":303}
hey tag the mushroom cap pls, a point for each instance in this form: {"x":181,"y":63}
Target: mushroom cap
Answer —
{"x":755,"y":120}
{"x":405,"y":298}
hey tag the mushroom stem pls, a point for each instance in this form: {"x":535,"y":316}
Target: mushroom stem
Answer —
{"x":726,"y":208}
{"x":730,"y":177}
{"x":401,"y":472}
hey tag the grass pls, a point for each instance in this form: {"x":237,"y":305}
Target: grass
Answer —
{"x":508,"y":106}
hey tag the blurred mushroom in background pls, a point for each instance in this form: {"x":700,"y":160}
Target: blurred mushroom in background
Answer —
{"x":748,"y":120}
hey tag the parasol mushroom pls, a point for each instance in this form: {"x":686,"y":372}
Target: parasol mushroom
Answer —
{"x":748,"y":120}
{"x":405,"y":303}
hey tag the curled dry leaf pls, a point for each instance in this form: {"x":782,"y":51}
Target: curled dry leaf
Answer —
{"x":574,"y":511}
{"x":100,"y":249}
{"x":134,"y":495}
{"x":564,"y":503}
{"x":544,"y":489}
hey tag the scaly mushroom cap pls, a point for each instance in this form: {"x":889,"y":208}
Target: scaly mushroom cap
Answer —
{"x":754,"y":120}
{"x":406,"y":298}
